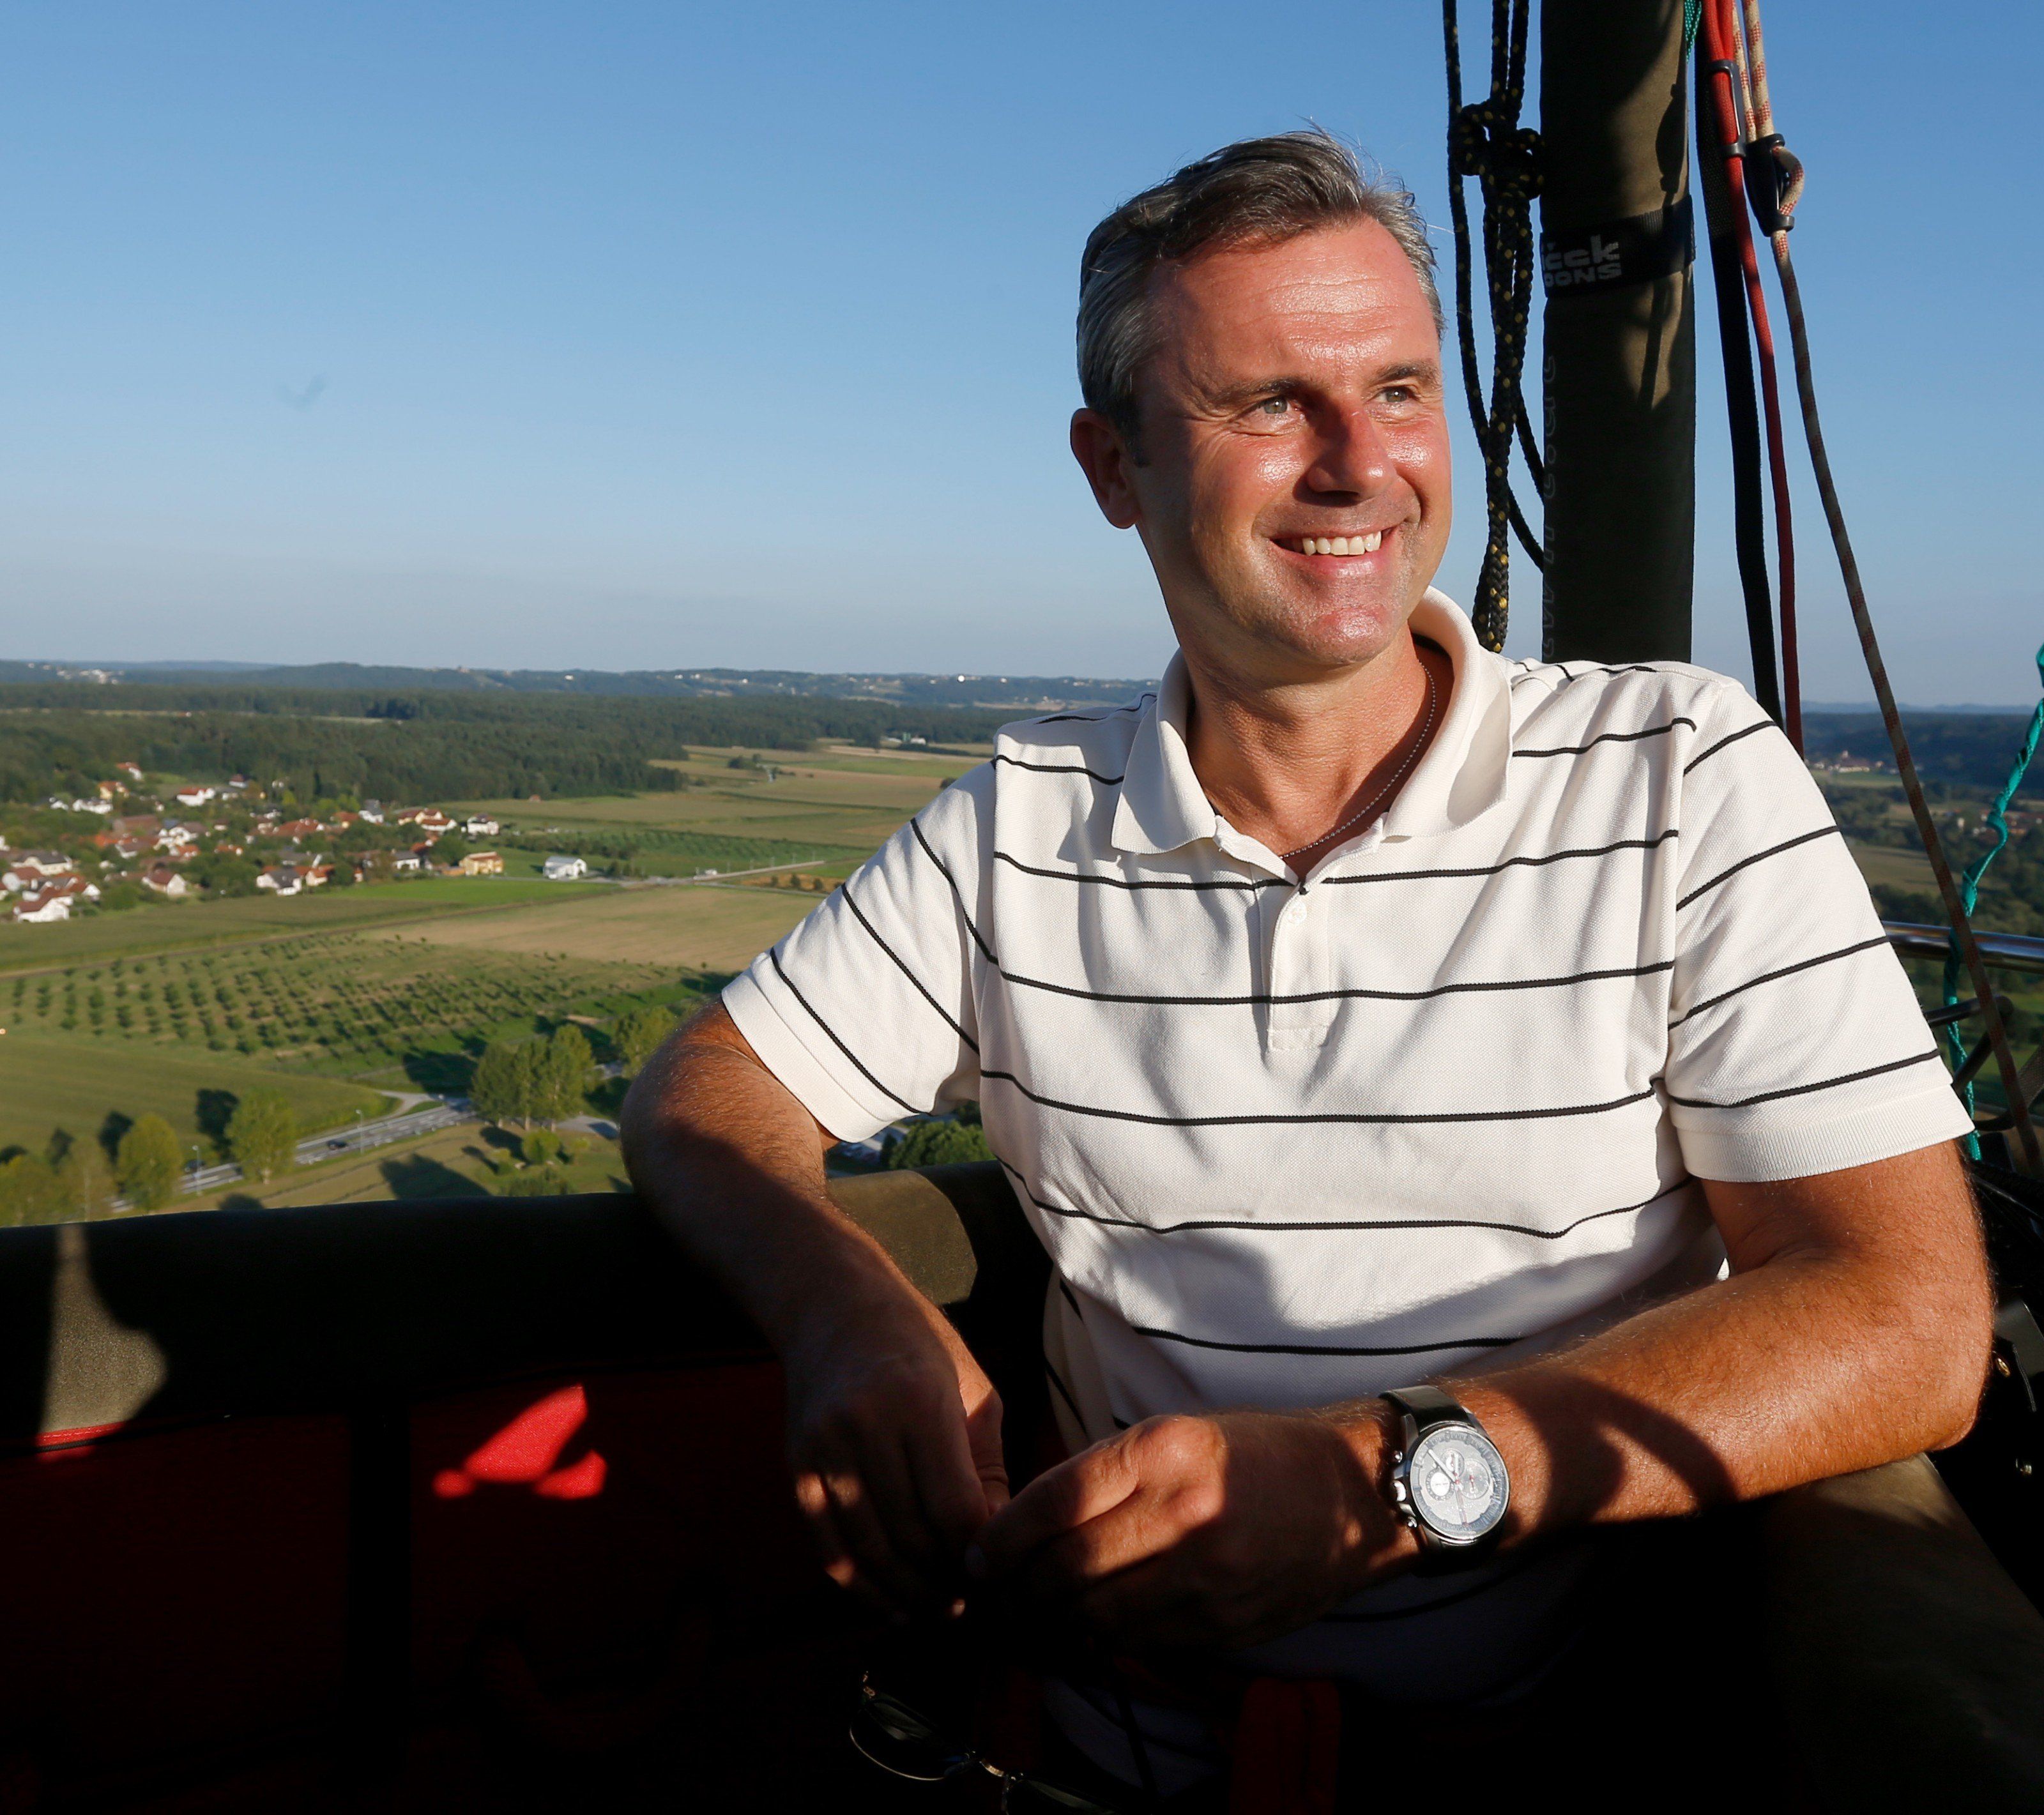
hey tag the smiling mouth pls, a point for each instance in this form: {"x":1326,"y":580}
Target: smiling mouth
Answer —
{"x":1367,"y":544}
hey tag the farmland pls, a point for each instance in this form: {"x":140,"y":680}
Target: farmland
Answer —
{"x":698,"y":929}
{"x":340,"y":996}
{"x":51,"y":1081}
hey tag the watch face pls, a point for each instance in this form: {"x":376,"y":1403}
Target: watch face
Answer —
{"x":1458,"y":1482}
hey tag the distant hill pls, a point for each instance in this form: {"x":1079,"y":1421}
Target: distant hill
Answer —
{"x":1016,"y":693}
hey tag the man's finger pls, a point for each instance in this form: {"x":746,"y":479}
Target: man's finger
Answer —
{"x":1127,"y":1536}
{"x":1057,"y":1501}
{"x":867,"y":1540}
{"x":949,"y":1482}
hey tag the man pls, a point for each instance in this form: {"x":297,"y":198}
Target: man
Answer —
{"x":1362,"y":1012}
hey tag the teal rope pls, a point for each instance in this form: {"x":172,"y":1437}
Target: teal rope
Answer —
{"x":1969,"y":881}
{"x":1692,"y":18}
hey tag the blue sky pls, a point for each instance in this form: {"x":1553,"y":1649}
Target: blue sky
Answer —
{"x":636,"y":335}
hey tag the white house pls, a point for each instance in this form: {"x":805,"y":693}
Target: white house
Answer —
{"x":29,"y":868}
{"x":196,"y":796}
{"x":481,"y":826}
{"x":41,"y":907}
{"x":559,"y":868}
{"x":164,"y":881}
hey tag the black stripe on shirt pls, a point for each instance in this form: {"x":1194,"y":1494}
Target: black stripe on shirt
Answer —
{"x":1064,"y":1393}
{"x":845,"y":889}
{"x":1878,"y":941}
{"x":1758,"y":857}
{"x":1610,"y":737}
{"x":1398,"y":1119}
{"x":1334,"y":994}
{"x":1705,"y":755}
{"x":1657,"y":839}
{"x":1254,"y":883}
{"x":781,"y":971}
{"x":1805,"y":1089}
{"x":1262,"y":1227}
{"x":1060,"y":769}
{"x":1545,"y":670}
{"x":1251,"y":883}
{"x":1099,"y":718}
{"x":1324,"y":1348}
{"x":964,"y":914}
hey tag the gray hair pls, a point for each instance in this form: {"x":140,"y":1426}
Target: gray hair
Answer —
{"x":1258,"y":190}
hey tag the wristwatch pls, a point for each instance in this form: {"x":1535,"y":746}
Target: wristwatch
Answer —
{"x":1448,"y":1483}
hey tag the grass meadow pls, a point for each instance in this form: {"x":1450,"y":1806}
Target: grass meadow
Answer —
{"x":51,"y":1081}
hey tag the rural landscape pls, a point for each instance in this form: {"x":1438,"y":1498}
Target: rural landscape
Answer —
{"x":409,"y":935}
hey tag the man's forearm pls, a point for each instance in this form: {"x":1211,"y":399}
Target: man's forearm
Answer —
{"x":1831,"y":1354}
{"x":732,"y":1165}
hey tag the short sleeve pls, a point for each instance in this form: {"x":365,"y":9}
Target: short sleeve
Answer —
{"x":866,"y":1010}
{"x":1796,"y":1046}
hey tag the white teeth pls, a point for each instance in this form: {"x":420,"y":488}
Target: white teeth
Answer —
{"x":1342,"y":544}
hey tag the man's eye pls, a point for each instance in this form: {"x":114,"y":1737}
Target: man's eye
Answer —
{"x":1273,"y":407}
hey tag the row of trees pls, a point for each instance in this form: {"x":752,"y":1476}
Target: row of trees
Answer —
{"x":77,"y":1180}
{"x":545,"y":1080}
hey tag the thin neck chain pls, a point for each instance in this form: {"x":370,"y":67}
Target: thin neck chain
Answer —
{"x":1385,"y":792}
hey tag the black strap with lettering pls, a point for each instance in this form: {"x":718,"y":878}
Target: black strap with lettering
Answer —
{"x":1618,"y":253}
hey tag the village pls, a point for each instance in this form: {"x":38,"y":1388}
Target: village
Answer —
{"x":131,"y":842}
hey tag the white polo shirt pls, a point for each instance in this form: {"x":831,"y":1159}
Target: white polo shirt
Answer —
{"x":1292,"y":1142}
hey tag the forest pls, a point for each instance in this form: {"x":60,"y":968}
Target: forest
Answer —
{"x":63,"y":736}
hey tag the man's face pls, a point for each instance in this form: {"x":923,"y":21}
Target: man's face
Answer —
{"x":1295,"y":395}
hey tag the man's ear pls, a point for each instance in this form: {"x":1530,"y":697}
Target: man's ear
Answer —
{"x":1105,"y":458}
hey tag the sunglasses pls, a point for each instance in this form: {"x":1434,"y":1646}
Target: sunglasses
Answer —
{"x":900,"y":1740}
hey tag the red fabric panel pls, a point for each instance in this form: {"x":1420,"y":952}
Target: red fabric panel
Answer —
{"x":171,"y":1593}
{"x":598,"y":1518}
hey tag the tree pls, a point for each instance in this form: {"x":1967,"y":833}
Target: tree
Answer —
{"x":30,"y":1191}
{"x":450,"y":848}
{"x":86,"y":1178}
{"x":263,"y":1133}
{"x":637,"y":1036}
{"x":501,"y":1088}
{"x":148,"y":1163}
{"x":561,"y":1071}
{"x":341,"y":875}
{"x":938,"y":1144}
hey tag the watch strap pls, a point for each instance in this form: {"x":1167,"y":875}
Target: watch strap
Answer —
{"x":1429,"y":1406}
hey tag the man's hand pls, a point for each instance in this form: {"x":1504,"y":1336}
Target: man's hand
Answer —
{"x":1211,"y":1532}
{"x":894,"y":1432}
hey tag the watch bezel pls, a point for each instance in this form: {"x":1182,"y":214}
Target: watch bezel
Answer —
{"x":1406,"y":1503}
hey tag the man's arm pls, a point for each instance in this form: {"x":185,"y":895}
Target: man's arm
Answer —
{"x":894,"y":1432}
{"x":1854,"y":1329}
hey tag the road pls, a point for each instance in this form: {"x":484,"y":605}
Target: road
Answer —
{"x":422,"y":1115}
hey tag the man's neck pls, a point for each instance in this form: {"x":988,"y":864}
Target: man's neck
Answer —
{"x":1288,"y":763}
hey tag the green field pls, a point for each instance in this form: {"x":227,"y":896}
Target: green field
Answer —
{"x":187,"y":925}
{"x":701,"y":928}
{"x":341,"y":999}
{"x":53,"y":1081}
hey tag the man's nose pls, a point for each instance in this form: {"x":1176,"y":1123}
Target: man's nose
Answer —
{"x":1352,"y":457}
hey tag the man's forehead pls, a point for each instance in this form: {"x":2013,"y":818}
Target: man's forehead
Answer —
{"x":1342,"y":292}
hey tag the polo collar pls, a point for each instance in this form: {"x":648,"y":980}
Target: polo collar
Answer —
{"x":1162,"y":806}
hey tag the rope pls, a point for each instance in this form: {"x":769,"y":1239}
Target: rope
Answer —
{"x":1728,"y":94}
{"x":1783,"y":189}
{"x":1969,"y":882}
{"x":1486,"y":141}
{"x":1724,"y":215}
